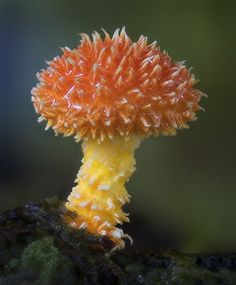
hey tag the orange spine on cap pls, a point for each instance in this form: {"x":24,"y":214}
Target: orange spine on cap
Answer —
{"x":113,"y":86}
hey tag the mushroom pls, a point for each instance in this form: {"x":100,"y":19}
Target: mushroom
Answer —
{"x":111,"y":93}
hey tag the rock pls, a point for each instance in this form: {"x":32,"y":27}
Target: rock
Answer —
{"x":37,"y":247}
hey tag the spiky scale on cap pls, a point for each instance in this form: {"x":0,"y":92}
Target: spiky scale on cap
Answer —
{"x":113,"y":86}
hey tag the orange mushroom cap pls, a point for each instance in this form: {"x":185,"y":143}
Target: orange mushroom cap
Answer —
{"x":115,"y":87}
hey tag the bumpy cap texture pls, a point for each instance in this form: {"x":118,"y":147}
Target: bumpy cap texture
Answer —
{"x":115,"y":87}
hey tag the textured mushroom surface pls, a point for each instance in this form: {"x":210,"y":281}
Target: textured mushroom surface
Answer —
{"x":112,"y":93}
{"x":113,"y":86}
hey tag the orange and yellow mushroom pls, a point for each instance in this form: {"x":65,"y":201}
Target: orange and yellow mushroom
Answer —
{"x":111,"y":93}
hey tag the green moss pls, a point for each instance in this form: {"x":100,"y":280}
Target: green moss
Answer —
{"x":45,"y":260}
{"x":42,"y":260}
{"x":13,"y":265}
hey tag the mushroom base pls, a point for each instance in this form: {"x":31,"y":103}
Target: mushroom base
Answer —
{"x":100,"y":194}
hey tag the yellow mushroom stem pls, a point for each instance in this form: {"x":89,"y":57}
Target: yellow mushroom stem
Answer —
{"x":100,"y":194}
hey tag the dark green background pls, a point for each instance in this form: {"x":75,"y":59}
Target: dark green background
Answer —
{"x":185,"y":185}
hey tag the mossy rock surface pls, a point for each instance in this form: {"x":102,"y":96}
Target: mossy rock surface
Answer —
{"x":37,"y":247}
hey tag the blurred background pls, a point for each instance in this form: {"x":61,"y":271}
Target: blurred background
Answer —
{"x":184,"y":189}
